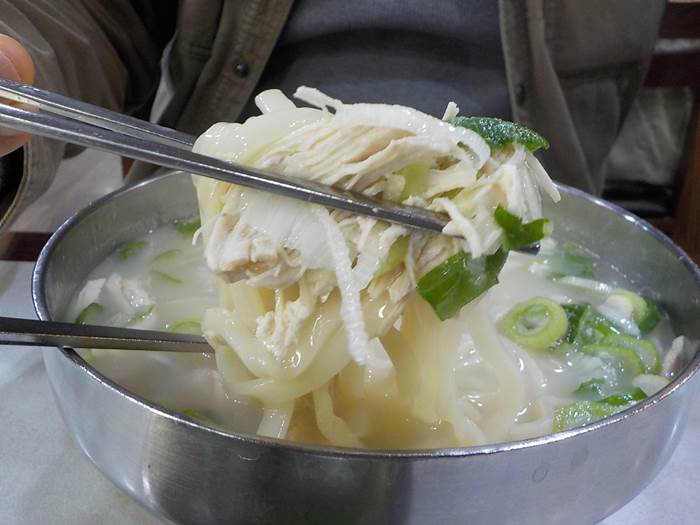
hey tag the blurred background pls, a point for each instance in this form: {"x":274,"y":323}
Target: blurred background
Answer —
{"x":653,"y":171}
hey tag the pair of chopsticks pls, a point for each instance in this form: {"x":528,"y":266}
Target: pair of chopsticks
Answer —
{"x":69,"y":120}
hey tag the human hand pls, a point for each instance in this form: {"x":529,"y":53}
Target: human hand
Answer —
{"x":15,"y":64}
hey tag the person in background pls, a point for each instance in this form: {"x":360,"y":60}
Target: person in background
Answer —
{"x":568,"y":69}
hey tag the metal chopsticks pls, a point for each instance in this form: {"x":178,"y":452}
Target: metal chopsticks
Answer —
{"x":29,"y":332}
{"x":69,"y":120}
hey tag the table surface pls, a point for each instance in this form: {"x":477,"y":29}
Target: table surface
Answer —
{"x":45,"y":478}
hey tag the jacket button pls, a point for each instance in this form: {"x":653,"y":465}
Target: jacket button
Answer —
{"x":241,"y":69}
{"x":520,"y":94}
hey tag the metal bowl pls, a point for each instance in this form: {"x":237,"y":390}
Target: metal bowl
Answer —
{"x":189,"y":473}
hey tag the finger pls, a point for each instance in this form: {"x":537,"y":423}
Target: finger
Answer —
{"x":15,"y":64}
{"x":15,"y":61}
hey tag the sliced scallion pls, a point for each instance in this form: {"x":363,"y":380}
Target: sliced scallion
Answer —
{"x":187,"y":227}
{"x":622,"y":399}
{"x":592,"y":388}
{"x":581,"y":413}
{"x":459,"y":280}
{"x":498,"y":133}
{"x":593,"y":327}
{"x":166,"y":277}
{"x":518,"y":234}
{"x":623,"y":362}
{"x":644,"y":348}
{"x":396,"y":255}
{"x":536,"y":324}
{"x":167,"y":255}
{"x":193,"y":414}
{"x":139,"y":315}
{"x":88,"y":313}
{"x":574,"y":312}
{"x":129,"y":249}
{"x":187,"y":326}
{"x":415,"y":179}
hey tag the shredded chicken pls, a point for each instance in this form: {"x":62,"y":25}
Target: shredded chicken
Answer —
{"x":274,"y":242}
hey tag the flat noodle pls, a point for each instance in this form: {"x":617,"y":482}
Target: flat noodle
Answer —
{"x":333,"y":428}
{"x":275,"y":420}
{"x":281,"y":334}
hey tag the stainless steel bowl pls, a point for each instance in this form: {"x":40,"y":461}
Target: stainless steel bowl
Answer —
{"x":188,"y":473}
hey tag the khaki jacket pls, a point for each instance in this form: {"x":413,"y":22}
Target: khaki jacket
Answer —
{"x":573,"y":68}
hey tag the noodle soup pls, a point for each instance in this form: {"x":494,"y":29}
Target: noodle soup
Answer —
{"x":466,"y":381}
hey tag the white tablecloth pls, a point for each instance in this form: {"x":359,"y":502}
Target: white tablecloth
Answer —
{"x":44,"y":478}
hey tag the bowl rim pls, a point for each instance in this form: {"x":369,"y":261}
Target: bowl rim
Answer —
{"x":41,"y":307}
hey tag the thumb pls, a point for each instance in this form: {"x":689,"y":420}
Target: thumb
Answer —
{"x":15,"y":61}
{"x":15,"y":64}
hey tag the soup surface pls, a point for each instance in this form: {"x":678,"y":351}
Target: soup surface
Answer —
{"x":517,"y":370}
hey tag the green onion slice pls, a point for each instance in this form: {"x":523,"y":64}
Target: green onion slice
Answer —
{"x":498,"y":133}
{"x":536,"y":324}
{"x":459,"y":280}
{"x":623,"y":399}
{"x":187,"y":326}
{"x":581,"y":413}
{"x":166,"y":277}
{"x":584,"y":412}
{"x":644,"y":348}
{"x":593,"y":387}
{"x":167,"y":255}
{"x":89,"y":312}
{"x":593,"y":327}
{"x":649,"y":318}
{"x":416,"y":179}
{"x":129,"y":249}
{"x":139,"y":315}
{"x":193,"y":414}
{"x":517,"y":235}
{"x":623,"y":362}
{"x":564,"y":259}
{"x":187,"y":227}
{"x":397,"y":254}
{"x":574,"y":312}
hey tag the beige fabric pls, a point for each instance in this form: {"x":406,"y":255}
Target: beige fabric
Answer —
{"x":573,"y":67}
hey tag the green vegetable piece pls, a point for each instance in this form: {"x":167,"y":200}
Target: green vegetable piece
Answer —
{"x":648,"y":318}
{"x":167,"y":255}
{"x":193,"y":414}
{"x":536,"y":324}
{"x":188,"y":326}
{"x":89,"y":312}
{"x":625,"y":363}
{"x":517,"y":234}
{"x":622,"y":399}
{"x":566,"y":260}
{"x":187,"y":227}
{"x":166,"y":277}
{"x":584,"y":412}
{"x":396,"y":255}
{"x":592,"y":387}
{"x":645,"y":312}
{"x":593,"y":327}
{"x":139,"y":315}
{"x":416,"y":177}
{"x":498,"y":133}
{"x":574,"y":312}
{"x":644,"y":348}
{"x":129,"y":249}
{"x":581,"y":413}
{"x":459,"y":280}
